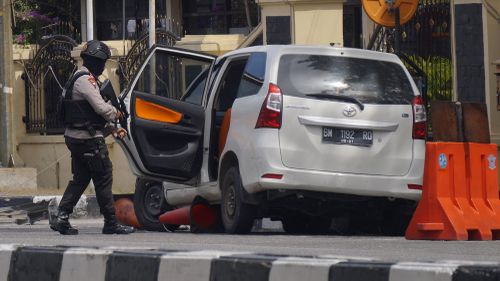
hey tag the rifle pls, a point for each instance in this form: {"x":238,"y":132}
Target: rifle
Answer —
{"x":108,"y":93}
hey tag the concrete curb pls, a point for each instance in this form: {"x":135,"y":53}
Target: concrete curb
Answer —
{"x":66,"y":263}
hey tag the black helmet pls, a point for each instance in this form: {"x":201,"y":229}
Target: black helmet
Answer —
{"x":96,"y":49}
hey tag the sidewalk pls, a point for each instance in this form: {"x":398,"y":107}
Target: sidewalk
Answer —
{"x":29,"y":209}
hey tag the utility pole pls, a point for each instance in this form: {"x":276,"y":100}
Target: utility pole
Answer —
{"x":6,"y":69}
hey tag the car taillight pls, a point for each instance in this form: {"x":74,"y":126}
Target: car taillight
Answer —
{"x":270,"y":112}
{"x":415,"y":186}
{"x":419,"y":118}
{"x":272,"y":176}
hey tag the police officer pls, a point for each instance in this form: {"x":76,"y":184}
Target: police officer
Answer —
{"x":85,"y":140}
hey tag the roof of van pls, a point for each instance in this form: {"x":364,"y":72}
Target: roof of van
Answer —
{"x":308,"y":49}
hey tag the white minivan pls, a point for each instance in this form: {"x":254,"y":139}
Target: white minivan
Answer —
{"x":317,"y":137}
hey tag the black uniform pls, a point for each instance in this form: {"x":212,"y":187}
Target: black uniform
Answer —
{"x":89,"y":160}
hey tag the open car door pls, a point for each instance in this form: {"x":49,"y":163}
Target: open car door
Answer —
{"x":165,"y":140}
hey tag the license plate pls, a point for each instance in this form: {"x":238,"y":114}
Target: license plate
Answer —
{"x":347,"y":136}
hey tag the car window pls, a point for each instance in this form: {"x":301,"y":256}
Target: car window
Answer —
{"x":253,"y":76}
{"x":229,"y":84}
{"x":370,"y":81}
{"x":170,"y":75}
{"x":194,"y":93}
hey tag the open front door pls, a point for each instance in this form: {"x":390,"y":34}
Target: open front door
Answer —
{"x":167,"y":114}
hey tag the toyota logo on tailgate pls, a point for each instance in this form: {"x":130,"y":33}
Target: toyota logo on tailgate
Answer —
{"x":349,"y":111}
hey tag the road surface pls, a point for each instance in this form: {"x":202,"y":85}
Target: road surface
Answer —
{"x":278,"y":243}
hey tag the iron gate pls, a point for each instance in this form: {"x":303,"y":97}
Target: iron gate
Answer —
{"x":426,"y":44}
{"x":44,"y":77}
{"x":129,"y":65}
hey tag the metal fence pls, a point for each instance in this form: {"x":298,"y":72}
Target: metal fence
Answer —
{"x":44,"y":78}
{"x":130,"y":64}
{"x":426,"y":42}
{"x":52,"y":66}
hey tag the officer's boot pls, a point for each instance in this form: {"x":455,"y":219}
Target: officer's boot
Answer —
{"x":61,"y":224}
{"x":112,"y":226}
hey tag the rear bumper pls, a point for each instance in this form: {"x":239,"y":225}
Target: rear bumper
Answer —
{"x":378,"y":186}
{"x":343,"y":183}
{"x":264,"y":157}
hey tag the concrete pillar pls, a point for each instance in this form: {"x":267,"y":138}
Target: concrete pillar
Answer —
{"x":476,"y":50}
{"x":466,"y":67}
{"x":469,"y":50}
{"x":317,"y":22}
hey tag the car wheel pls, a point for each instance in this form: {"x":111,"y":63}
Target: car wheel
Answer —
{"x":149,"y":204}
{"x":237,"y":217}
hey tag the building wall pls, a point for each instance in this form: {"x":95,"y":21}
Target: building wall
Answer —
{"x":310,"y":21}
{"x":318,"y":23}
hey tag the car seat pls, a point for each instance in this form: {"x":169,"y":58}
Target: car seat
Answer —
{"x":224,"y":129}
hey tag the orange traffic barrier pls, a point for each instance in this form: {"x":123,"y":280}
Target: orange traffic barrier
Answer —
{"x":125,"y":212}
{"x":483,"y":181}
{"x":458,"y":194}
{"x":179,"y":216}
{"x":203,"y":216}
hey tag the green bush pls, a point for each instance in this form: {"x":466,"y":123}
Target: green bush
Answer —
{"x":439,"y":76}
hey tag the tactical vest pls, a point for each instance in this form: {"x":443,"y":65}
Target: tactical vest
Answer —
{"x":79,"y":114}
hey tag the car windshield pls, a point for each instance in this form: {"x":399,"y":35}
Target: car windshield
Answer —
{"x":369,"y":81}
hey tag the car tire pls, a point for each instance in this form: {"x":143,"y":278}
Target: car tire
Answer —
{"x":149,"y":204}
{"x":237,"y":216}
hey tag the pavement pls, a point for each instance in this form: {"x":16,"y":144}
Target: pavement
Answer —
{"x":30,"y":209}
{"x":34,"y":252}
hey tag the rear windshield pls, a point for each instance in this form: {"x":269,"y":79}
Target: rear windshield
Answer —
{"x":369,"y":81}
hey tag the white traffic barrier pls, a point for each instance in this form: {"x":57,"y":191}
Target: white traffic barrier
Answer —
{"x":84,"y":264}
{"x":299,"y":269}
{"x":5,"y":258}
{"x":33,"y":263}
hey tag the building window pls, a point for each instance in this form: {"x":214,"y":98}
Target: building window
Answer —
{"x":109,"y":18}
{"x":218,"y":16}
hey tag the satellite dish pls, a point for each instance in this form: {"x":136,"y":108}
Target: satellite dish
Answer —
{"x":382,"y":11}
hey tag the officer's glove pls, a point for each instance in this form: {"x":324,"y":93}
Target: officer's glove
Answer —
{"x":119,"y":133}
